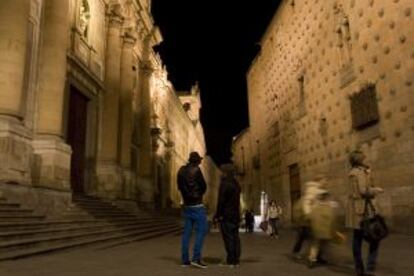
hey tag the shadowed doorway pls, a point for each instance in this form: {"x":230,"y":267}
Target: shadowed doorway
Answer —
{"x":76,"y":136}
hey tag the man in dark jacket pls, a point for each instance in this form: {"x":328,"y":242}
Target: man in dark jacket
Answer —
{"x":192,"y":186}
{"x":228,"y":213}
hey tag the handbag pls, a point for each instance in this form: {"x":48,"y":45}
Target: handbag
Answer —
{"x":264,"y":225}
{"x":373,"y":227}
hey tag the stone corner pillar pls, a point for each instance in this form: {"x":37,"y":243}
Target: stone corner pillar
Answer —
{"x":145,"y":178}
{"x":109,"y":179}
{"x":108,"y":171}
{"x":126,"y":115}
{"x":15,"y":151}
{"x":52,"y":163}
{"x":51,"y":154}
{"x":15,"y":147}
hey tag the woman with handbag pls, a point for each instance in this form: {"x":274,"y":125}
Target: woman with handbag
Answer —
{"x":361,"y":192}
{"x":273,"y":213}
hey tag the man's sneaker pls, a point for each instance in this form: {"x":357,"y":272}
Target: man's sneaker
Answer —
{"x":198,"y":264}
{"x":185,"y":264}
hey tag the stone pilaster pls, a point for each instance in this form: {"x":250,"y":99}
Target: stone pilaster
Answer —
{"x":145,"y":155}
{"x":15,"y":148}
{"x":126,"y":113}
{"x":14,"y":17}
{"x":51,"y":153}
{"x":108,"y":170}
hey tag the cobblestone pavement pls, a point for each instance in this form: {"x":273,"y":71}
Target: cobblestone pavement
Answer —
{"x":160,"y":257}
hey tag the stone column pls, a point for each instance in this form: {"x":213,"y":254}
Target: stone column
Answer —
{"x":108,"y":170}
{"x":52,"y":154}
{"x":145,"y":151}
{"x":15,"y":148}
{"x":126,"y":113}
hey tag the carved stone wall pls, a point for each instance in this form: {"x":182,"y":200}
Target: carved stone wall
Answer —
{"x":110,"y":61}
{"x":178,"y":133}
{"x":342,"y":46}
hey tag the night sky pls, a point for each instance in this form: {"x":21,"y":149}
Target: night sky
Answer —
{"x":214,"y":42}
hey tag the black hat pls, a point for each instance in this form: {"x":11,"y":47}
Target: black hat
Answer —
{"x":194,"y":157}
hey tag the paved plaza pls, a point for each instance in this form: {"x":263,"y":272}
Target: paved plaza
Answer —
{"x":160,"y":257}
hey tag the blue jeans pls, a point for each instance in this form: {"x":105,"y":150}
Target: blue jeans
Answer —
{"x":194,"y":217}
{"x":358,"y":238}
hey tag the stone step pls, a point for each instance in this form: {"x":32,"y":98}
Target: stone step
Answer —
{"x":176,"y":230}
{"x":112,"y":216}
{"x":59,"y":240}
{"x":9,"y":205}
{"x":13,"y":225}
{"x":15,"y":211}
{"x":95,"y":211}
{"x":71,"y":230}
{"x":137,"y":236}
{"x":77,"y":216}
{"x":91,"y":201}
{"x":20,"y":217}
{"x":57,"y":224}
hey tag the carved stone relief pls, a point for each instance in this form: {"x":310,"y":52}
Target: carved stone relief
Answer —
{"x":342,"y":30}
{"x":84,"y":18}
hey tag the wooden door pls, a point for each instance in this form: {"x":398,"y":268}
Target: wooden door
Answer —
{"x":76,"y":138}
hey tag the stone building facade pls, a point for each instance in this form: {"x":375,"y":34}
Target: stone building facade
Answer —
{"x":331,"y":77}
{"x":85,"y":105}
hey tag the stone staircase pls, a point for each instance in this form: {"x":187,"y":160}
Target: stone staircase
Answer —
{"x":89,"y":222}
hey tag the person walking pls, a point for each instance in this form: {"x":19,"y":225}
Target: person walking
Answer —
{"x":273,"y":214}
{"x":324,"y":226}
{"x":360,"y":189}
{"x":192,"y":186}
{"x":302,"y":211}
{"x":249,"y":220}
{"x":228,"y":214}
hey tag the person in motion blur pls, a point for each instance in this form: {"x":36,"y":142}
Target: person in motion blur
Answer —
{"x":301,"y":214}
{"x":324,"y":226}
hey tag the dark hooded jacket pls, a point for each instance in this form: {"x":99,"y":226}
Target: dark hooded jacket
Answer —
{"x":228,"y":205}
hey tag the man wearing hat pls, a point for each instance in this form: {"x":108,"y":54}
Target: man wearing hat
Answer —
{"x":192,"y":186}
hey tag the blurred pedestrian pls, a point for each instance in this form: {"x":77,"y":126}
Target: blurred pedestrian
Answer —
{"x":301,"y":214}
{"x":324,"y":226}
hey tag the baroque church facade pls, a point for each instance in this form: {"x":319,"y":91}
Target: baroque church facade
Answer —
{"x":332,"y":77}
{"x":86,"y":107}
